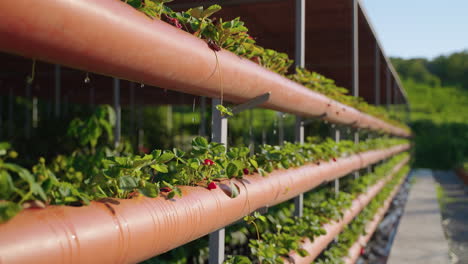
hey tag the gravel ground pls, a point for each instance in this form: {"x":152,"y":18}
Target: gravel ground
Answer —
{"x":454,"y":207}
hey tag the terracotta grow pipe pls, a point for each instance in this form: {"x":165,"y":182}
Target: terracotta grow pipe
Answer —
{"x":111,"y":38}
{"x":140,"y":228}
{"x":314,"y":248}
{"x":355,"y":250}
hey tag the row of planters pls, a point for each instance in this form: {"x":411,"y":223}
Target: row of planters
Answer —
{"x":288,"y":239}
{"x":232,"y":35}
{"x":210,"y":46}
{"x":170,"y":192}
{"x":351,"y":242}
{"x":103,"y":204}
{"x":285,"y":238}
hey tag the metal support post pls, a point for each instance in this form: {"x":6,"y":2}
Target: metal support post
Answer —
{"x":219,"y":131}
{"x":117,"y":109}
{"x":58,"y":87}
{"x":355,"y":49}
{"x":387,"y":89}
{"x":355,"y":73}
{"x":169,"y":119}
{"x":300,"y":62}
{"x":377,"y":75}
{"x":35,"y":112}
{"x":299,"y":137}
{"x":336,"y":133}
{"x":356,"y":141}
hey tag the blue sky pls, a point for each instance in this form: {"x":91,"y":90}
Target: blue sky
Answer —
{"x":420,"y":28}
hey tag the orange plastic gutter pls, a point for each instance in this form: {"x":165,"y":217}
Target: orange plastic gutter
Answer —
{"x":111,"y":38}
{"x":140,"y":228}
{"x":371,"y":227}
{"x":334,"y":228}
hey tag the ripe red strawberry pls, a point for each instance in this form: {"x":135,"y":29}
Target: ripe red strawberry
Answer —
{"x":212,"y":185}
{"x":166,"y":189}
{"x":173,"y":21}
{"x":255,"y":59}
{"x":208,"y":162}
{"x":363,"y":251}
{"x":246,"y":171}
{"x":334,"y":159}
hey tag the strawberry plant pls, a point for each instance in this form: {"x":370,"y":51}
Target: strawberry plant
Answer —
{"x":232,"y":35}
{"x":283,"y":233}
{"x":97,"y":171}
{"x":338,"y":251}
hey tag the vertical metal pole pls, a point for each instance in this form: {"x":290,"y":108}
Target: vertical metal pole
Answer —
{"x":117,"y":108}
{"x":336,"y":133}
{"x":387,"y":89}
{"x":202,"y":116}
{"x":169,"y":119}
{"x":355,"y":73}
{"x":35,"y":112}
{"x":408,"y":113}
{"x":219,"y":131}
{"x":377,"y":75}
{"x":300,"y":62}
{"x":356,"y":141}
{"x":299,"y":137}
{"x":58,"y":87}
{"x":300,"y":33}
{"x":355,"y":47}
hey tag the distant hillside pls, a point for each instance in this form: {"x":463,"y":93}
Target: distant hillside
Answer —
{"x":450,"y":70}
{"x":438,"y":94}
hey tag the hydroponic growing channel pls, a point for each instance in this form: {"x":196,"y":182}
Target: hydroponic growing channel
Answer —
{"x":103,"y":197}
